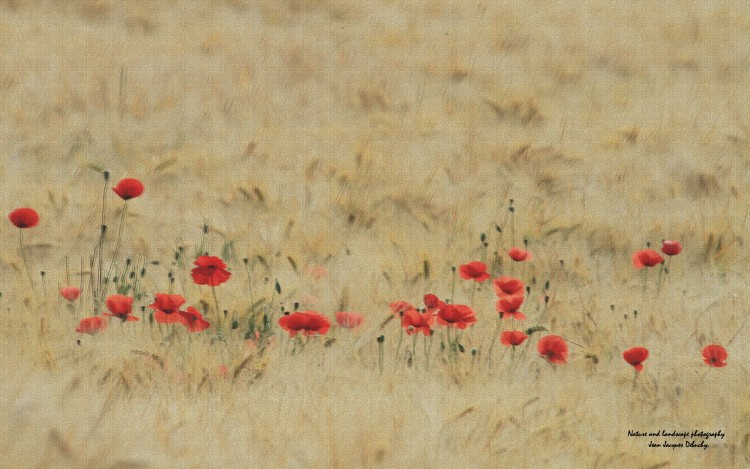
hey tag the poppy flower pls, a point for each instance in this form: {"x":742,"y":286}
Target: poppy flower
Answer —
{"x":210,"y":271}
{"x":192,"y":319}
{"x":505,"y":286}
{"x":307,"y":322}
{"x":715,"y":355}
{"x":91,"y":325}
{"x":474,"y":271}
{"x":166,"y":307}
{"x":433,"y":303}
{"x":514,"y":338}
{"x":671,"y":248}
{"x":646,"y":258}
{"x":349,"y":320}
{"x":519,"y":255}
{"x":120,"y":306}
{"x":128,"y":188}
{"x":508,"y":306}
{"x":70,"y":293}
{"x":553,"y":348}
{"x":24,"y":217}
{"x":414,"y":321}
{"x":636,"y":356}
{"x":459,"y":316}
{"x":398,"y":307}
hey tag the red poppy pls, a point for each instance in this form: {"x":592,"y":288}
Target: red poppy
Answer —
{"x":119,"y":306}
{"x":398,"y":307}
{"x":166,"y":307}
{"x":192,"y":319}
{"x":646,"y":258}
{"x":307,"y":322}
{"x":671,"y":248}
{"x":715,"y":355}
{"x":508,"y":286}
{"x":70,"y":293}
{"x":24,"y":217}
{"x":519,"y":255}
{"x":210,"y":271}
{"x":128,"y":188}
{"x":414,"y":321}
{"x":349,"y":320}
{"x":432,"y":301}
{"x":553,"y":348}
{"x":91,"y":325}
{"x":508,"y":306}
{"x":514,"y":338}
{"x":459,"y":316}
{"x":474,"y":271}
{"x":636,"y":356}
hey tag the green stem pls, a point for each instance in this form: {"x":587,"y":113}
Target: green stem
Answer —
{"x":25,"y":261}
{"x":494,"y":338}
{"x":414,"y":350}
{"x":216,"y":303}
{"x":119,"y":239}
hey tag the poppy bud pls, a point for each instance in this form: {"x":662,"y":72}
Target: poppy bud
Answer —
{"x":381,"y":339}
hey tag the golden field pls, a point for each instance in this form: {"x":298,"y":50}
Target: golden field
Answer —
{"x":355,"y":152}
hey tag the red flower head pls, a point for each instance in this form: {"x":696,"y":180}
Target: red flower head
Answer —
{"x":91,"y":325}
{"x":166,"y":306}
{"x":24,"y":217}
{"x":508,"y":286}
{"x":398,"y":307}
{"x":128,"y":188}
{"x":474,"y":271}
{"x":459,"y":316}
{"x":307,"y":322}
{"x":349,"y":320}
{"x":671,"y":248}
{"x":715,"y":355}
{"x":433,"y":303}
{"x":70,"y":293}
{"x":120,"y":306}
{"x":414,"y":321}
{"x":210,"y":271}
{"x":192,"y":319}
{"x":519,"y":255}
{"x":508,"y":306}
{"x":553,"y":348}
{"x":512,"y":338}
{"x":636,"y":356}
{"x":646,"y":258}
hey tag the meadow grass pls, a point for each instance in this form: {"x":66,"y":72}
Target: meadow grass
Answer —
{"x":354,"y":153}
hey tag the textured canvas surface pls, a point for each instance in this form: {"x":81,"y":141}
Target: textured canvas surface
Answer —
{"x":341,"y":156}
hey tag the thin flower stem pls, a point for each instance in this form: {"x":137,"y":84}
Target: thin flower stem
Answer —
{"x":414,"y":350}
{"x":400,"y":339}
{"x":249,"y":284}
{"x":428,"y":353}
{"x":99,"y":294}
{"x":492,"y":342}
{"x":25,"y":261}
{"x":381,"y":356}
{"x":453,"y":284}
{"x":216,"y":303}
{"x":80,"y":300}
{"x":44,"y":292}
{"x":119,"y":239}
